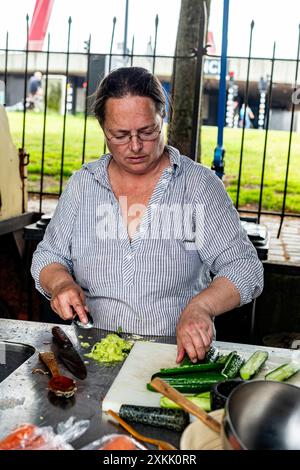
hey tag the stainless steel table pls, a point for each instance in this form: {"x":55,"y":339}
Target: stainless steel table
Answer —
{"x":24,"y":397}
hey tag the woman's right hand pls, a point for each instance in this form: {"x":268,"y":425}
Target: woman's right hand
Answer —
{"x":68,"y":299}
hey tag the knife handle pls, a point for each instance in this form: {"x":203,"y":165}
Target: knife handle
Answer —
{"x":61,"y":336}
{"x":49,"y":360}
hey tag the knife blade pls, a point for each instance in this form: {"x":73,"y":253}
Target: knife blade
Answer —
{"x":68,"y":354}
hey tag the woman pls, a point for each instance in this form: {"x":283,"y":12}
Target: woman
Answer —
{"x":137,"y":233}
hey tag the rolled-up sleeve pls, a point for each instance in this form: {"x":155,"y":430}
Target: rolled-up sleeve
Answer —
{"x":222,"y":242}
{"x":56,"y":244}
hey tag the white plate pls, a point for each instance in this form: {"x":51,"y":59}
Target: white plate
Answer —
{"x":198,"y":436}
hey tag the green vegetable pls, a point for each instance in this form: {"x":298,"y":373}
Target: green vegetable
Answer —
{"x":222,"y":359}
{"x":202,"y":400}
{"x":110,"y":349}
{"x":232,"y":365}
{"x":211,"y":356}
{"x":119,"y":331}
{"x":192,"y":383}
{"x":188,"y":369}
{"x":186,"y":361}
{"x":85,"y":345}
{"x":176,"y":420}
{"x":253,"y":365}
{"x":283,"y":372}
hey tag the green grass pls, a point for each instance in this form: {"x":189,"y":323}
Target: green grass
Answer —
{"x":53,"y":146}
{"x":275,"y":166}
{"x":252,"y":157}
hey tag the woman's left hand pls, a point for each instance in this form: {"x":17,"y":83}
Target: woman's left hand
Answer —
{"x":194,"y":333}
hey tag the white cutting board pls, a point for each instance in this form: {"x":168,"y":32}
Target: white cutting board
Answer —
{"x":129,"y":387}
{"x":146,"y":358}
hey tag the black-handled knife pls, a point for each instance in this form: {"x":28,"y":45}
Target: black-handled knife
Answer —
{"x":68,"y":354}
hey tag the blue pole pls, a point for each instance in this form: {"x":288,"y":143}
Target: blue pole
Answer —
{"x":218,"y":163}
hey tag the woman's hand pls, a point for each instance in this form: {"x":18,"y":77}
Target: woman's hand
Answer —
{"x":194,"y":332}
{"x":195,"y":328}
{"x":67,"y":299}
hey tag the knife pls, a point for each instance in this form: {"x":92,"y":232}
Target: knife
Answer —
{"x":78,"y":322}
{"x":68,"y":354}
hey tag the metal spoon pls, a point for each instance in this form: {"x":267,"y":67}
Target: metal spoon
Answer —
{"x":163,"y":387}
{"x":162,"y":445}
{"x":61,"y":385}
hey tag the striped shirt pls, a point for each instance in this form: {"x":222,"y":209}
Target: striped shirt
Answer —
{"x":189,"y":231}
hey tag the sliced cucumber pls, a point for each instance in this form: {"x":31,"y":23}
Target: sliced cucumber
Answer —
{"x":222,"y":359}
{"x":202,"y":400}
{"x":283,"y":372}
{"x":253,"y":365}
{"x":232,"y":365}
{"x":212,"y":355}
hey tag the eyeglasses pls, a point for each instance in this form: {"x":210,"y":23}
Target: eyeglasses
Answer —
{"x":147,"y":135}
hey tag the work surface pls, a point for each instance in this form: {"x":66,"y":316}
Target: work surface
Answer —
{"x":24,"y":397}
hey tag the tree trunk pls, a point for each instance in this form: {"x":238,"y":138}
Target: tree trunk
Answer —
{"x":186,"y":87}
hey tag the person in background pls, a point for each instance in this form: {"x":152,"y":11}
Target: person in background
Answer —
{"x":236,"y":113}
{"x":138,"y":232}
{"x":35,"y":96}
{"x":248,"y":118}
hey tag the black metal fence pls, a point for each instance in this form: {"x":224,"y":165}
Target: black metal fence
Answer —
{"x":88,"y":74}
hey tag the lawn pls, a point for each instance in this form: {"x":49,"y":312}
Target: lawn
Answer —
{"x":252,"y":157}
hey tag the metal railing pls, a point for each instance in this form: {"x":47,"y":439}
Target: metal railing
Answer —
{"x":131,"y":57}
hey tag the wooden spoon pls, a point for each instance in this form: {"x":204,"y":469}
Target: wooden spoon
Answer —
{"x":161,"y":386}
{"x":61,"y":385}
{"x":162,"y":445}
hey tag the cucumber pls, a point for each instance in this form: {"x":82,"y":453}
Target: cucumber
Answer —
{"x":211,"y":356}
{"x":283,"y":372}
{"x":202,"y":400}
{"x":187,"y":369}
{"x":186,"y":361}
{"x":253,"y":365}
{"x":232,"y":365}
{"x":173,"y":419}
{"x":192,"y":383}
{"x":222,"y":359}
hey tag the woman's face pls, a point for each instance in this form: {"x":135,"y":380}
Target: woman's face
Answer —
{"x":134,"y":115}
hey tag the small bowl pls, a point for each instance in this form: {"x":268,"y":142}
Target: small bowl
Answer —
{"x":221,"y":392}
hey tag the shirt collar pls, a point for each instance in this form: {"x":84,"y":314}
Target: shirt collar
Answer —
{"x":99,"y":167}
{"x":175,"y":159}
